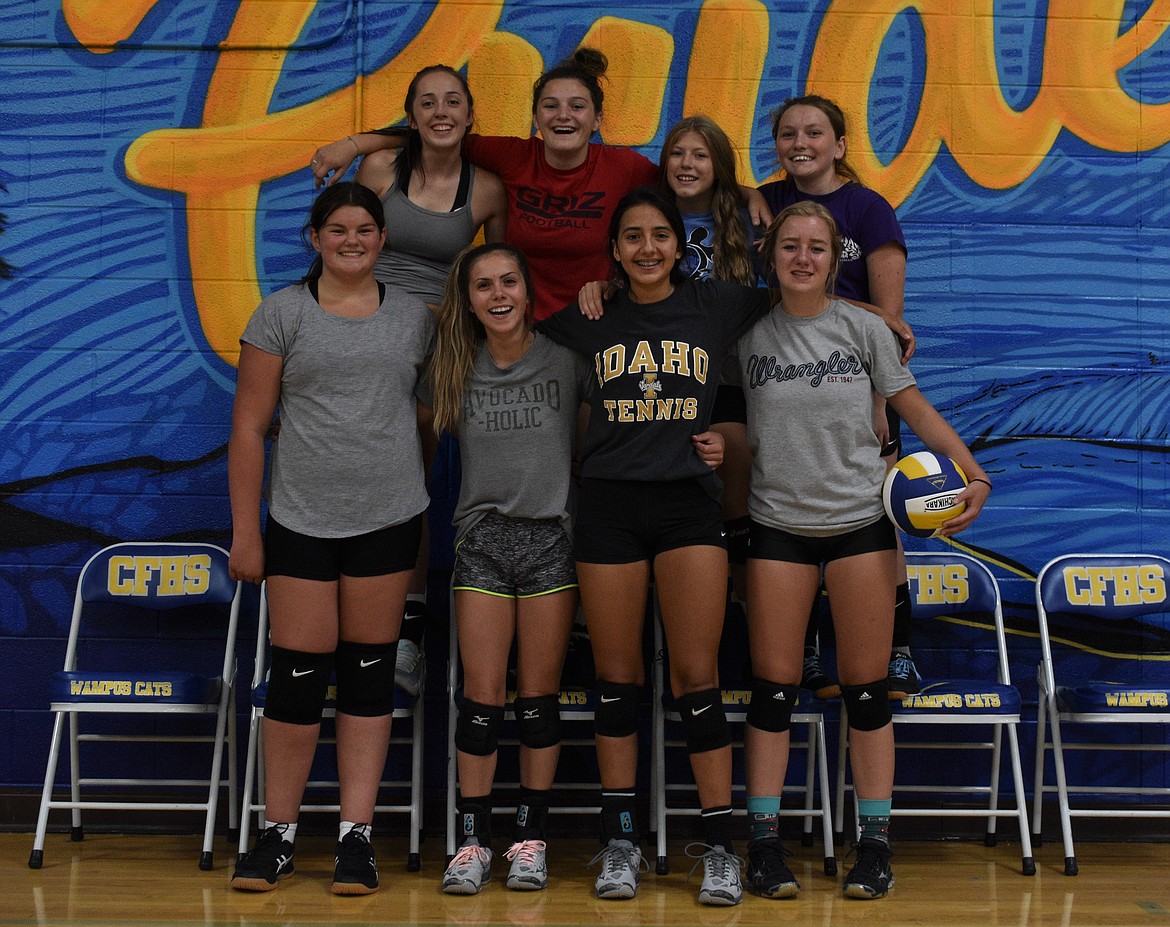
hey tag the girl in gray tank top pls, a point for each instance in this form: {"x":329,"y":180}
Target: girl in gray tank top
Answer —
{"x":435,"y":203}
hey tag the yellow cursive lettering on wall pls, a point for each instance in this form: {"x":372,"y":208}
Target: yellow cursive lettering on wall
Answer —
{"x":639,"y":63}
{"x":727,"y":62}
{"x":962,"y":104}
{"x":100,"y":25}
{"x":221,"y":165}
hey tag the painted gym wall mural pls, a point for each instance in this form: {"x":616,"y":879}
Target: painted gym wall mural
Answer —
{"x":155,"y":152}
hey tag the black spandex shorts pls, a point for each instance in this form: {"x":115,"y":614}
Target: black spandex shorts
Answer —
{"x":387,"y":550}
{"x":766,"y":543}
{"x":894,"y":445}
{"x":625,"y":521}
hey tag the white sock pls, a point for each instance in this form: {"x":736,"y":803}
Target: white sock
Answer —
{"x":366,"y":830}
{"x":289,"y":830}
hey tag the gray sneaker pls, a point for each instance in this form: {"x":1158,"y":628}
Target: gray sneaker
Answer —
{"x":408,"y":668}
{"x":529,"y":871}
{"x":469,"y":870}
{"x":721,"y":881}
{"x":621,"y":868}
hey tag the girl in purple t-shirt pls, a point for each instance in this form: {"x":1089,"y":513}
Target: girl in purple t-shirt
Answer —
{"x":810,"y":144}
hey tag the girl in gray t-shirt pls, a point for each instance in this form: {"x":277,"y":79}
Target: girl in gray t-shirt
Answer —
{"x":512,"y":397}
{"x":809,"y":370}
{"x":340,"y":354}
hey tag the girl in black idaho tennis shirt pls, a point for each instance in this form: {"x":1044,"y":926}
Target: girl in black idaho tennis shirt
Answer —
{"x":649,"y":501}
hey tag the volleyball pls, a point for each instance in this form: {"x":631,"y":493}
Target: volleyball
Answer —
{"x":919,"y":493}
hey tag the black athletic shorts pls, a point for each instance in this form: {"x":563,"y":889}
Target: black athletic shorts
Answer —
{"x":625,"y":521}
{"x":387,"y":550}
{"x":894,"y":445}
{"x":766,"y":543}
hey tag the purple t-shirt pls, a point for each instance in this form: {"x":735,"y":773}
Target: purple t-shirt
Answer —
{"x":866,"y":222}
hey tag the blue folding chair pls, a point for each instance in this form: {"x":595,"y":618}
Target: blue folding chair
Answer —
{"x":961,"y":592}
{"x":145,"y":602}
{"x":1114,"y":595}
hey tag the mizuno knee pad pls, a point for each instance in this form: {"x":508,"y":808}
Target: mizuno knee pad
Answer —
{"x":477,"y":731}
{"x":539,"y":719}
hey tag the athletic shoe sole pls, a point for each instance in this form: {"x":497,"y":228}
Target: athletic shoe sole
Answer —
{"x":245,"y":884}
{"x":462,"y":888}
{"x":719,"y":900}
{"x":353,"y":888}
{"x":527,"y":884}
{"x":864,"y":892}
{"x":787,"y":890}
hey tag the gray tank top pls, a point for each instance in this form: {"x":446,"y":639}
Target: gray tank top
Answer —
{"x":421,"y":244}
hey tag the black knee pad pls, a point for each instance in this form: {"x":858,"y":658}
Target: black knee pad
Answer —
{"x":477,"y":731}
{"x":539,"y":719}
{"x":617,"y":708}
{"x":297,"y":683}
{"x":771,"y":706}
{"x":365,"y":678}
{"x":868,"y":705}
{"x":735,"y":532}
{"x":704,"y":720}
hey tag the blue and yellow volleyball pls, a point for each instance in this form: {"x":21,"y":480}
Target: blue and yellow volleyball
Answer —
{"x":919,"y":493}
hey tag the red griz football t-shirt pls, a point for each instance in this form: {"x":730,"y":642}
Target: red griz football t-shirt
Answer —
{"x":560,"y":219}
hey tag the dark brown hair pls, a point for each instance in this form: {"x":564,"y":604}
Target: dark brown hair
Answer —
{"x":586,"y":65}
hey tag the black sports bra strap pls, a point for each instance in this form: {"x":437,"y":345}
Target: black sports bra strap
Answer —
{"x":464,"y":186}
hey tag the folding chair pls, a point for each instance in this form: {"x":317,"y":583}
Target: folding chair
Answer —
{"x":962,"y":594}
{"x":808,"y":712}
{"x":576,"y":704}
{"x":1122,"y":597}
{"x":405,"y":707}
{"x":141,"y":609}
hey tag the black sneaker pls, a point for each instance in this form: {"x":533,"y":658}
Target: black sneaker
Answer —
{"x":270,"y":861}
{"x":768,"y":874}
{"x":814,"y":678}
{"x":903,"y":676}
{"x":355,"y":872}
{"x":870,"y":876}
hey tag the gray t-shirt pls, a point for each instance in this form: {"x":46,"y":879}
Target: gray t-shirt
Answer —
{"x":809,"y":385}
{"x":516,"y":435}
{"x":348,"y":459}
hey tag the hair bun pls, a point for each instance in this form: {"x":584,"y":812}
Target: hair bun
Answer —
{"x":590,"y":60}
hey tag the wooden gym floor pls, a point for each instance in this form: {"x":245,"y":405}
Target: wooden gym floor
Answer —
{"x":132,"y":880}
